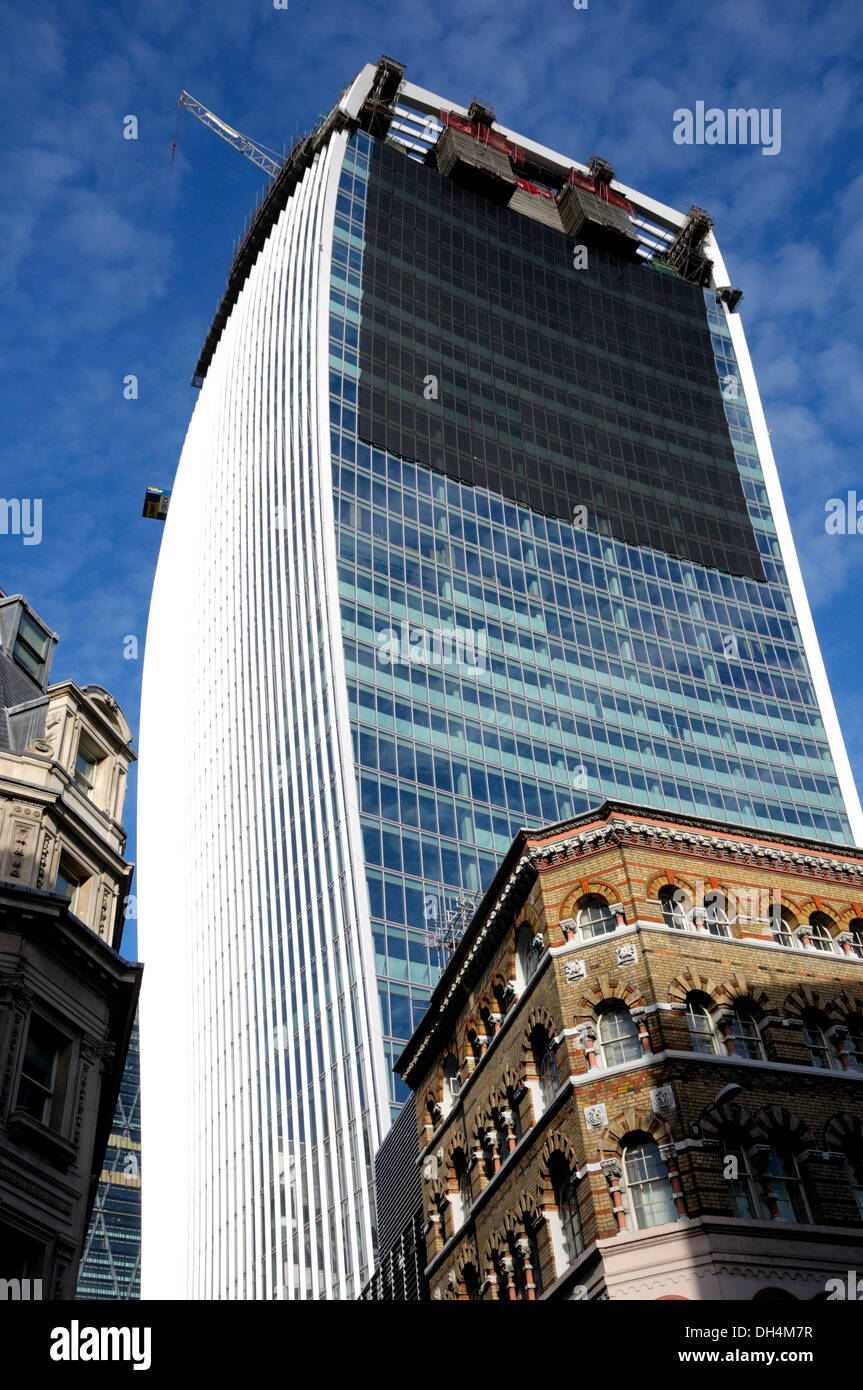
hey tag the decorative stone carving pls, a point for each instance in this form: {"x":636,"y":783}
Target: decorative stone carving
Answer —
{"x":47,"y":843}
{"x":662,"y":1100}
{"x":611,"y":1169}
{"x":575,"y":970}
{"x":627,"y":954}
{"x":596,"y":1116}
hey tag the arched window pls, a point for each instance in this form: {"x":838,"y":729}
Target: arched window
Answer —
{"x":477,"y":1038}
{"x":648,"y":1185}
{"x":743,"y":1038}
{"x":737,"y":1171}
{"x":815,"y":1039}
{"x":699,"y":1022}
{"x":618,"y":1036}
{"x":502,"y":999}
{"x":673,"y":902}
{"x":527,"y":955}
{"x":565,"y":1184}
{"x":461,"y":1174}
{"x":544,"y":1058}
{"x":715,"y":916}
{"x":783,"y":924}
{"x":820,"y":931}
{"x":470,"y":1284}
{"x":783,"y":1187}
{"x":595,"y":917}
{"x":855,"y":930}
{"x":451,"y":1082}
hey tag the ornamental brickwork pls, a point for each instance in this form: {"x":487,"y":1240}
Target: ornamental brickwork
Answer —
{"x":641,"y":1075}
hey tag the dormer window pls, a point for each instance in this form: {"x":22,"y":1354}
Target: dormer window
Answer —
{"x":31,"y":647}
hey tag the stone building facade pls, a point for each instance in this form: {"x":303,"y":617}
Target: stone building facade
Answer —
{"x":641,"y":1074}
{"x":67,"y":999}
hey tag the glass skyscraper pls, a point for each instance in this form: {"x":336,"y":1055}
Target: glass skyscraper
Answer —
{"x":476,"y":525}
{"x":111,"y":1264}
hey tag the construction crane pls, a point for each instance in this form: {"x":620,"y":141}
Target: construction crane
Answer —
{"x":239,"y":142}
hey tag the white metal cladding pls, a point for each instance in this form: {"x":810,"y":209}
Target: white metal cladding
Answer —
{"x":251,"y":864}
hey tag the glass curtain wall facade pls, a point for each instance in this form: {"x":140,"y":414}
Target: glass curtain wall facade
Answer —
{"x":611,"y":670}
{"x":429,"y":576}
{"x":111,"y":1265}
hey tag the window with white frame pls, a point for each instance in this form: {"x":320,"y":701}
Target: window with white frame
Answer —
{"x":854,"y":1043}
{"x":451,"y":1082}
{"x":820,"y":931}
{"x":715,"y":916}
{"x":648,"y":1186}
{"x":737,"y":1171}
{"x":527,"y":955}
{"x":463,"y":1197}
{"x":618,"y":1036}
{"x":595,"y":917}
{"x":698,"y":1020}
{"x":674,"y":904}
{"x":784,"y":1185}
{"x":542,"y":1045}
{"x":744,"y":1032}
{"x":855,"y":931}
{"x":565,"y":1187}
{"x":814,"y":1036}
{"x":783,"y":925}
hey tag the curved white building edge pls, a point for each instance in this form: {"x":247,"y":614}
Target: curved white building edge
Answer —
{"x":241,"y":721}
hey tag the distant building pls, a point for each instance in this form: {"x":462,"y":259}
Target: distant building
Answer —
{"x":111,"y":1267}
{"x":67,"y":999}
{"x":641,"y":1074}
{"x":400,"y":1274}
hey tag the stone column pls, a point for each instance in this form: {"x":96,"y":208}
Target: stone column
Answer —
{"x":508,"y":1119}
{"x":668,"y":1154}
{"x":640,"y":1016}
{"x":586,"y":1034}
{"x":523,"y":1248}
{"x":613,"y":1172}
{"x":493,"y":1140}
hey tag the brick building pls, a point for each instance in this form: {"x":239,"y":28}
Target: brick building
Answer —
{"x":641,"y":1074}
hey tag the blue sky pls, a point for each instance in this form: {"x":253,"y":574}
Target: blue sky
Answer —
{"x":112,"y":260}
